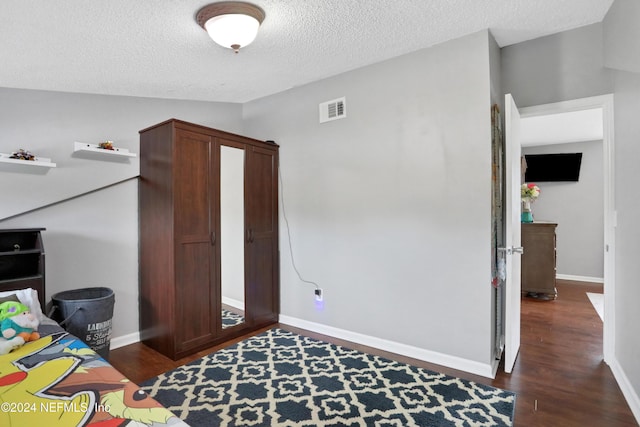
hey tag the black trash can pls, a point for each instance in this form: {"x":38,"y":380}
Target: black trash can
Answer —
{"x":86,"y":313}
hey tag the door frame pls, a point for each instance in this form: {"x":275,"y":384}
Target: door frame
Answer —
{"x":606,"y":102}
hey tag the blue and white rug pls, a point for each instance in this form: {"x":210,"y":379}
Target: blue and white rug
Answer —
{"x":231,"y":319}
{"x":280,"y":378}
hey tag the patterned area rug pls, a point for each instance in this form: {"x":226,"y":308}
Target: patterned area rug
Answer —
{"x":230,"y":319}
{"x":280,"y":378}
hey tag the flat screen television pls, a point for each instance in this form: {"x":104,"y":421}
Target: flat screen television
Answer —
{"x":557,"y":167}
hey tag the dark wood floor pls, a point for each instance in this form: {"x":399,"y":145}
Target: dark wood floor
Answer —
{"x":559,"y":377}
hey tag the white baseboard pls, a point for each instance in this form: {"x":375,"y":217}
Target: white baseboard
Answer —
{"x":580,"y":278}
{"x":633,"y":400}
{"x":233,"y":303}
{"x":454,"y":362}
{"x":118,"y":342}
{"x":496,"y":361}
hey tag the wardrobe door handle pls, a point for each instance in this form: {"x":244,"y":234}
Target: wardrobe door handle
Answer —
{"x":248,"y":235}
{"x":213,"y":238}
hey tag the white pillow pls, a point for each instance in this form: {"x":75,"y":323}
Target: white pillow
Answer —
{"x":28,"y":297}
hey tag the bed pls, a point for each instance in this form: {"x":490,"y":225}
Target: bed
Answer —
{"x":58,"y":380}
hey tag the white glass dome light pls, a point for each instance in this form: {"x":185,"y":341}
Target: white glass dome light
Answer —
{"x":232,"y":31}
{"x":231,"y":24}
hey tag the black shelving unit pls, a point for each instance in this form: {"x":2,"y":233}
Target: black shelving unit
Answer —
{"x":22,"y":260}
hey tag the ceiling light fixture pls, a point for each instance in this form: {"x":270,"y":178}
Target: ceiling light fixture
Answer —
{"x":231,"y":24}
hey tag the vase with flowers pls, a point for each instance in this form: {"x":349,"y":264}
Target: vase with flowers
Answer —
{"x":529,"y":192}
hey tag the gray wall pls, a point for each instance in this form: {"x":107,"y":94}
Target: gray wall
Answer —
{"x":93,"y":241}
{"x":627,"y":112}
{"x":385,"y":205}
{"x":570,"y":66}
{"x":560,"y":67}
{"x":577,"y":207}
{"x":622,"y":36}
{"x":92,"y":225}
{"x":48,"y":123}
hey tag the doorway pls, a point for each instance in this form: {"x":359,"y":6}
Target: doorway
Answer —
{"x":603,"y":104}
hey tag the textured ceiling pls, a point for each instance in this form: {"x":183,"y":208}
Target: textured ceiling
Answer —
{"x":155,"y":48}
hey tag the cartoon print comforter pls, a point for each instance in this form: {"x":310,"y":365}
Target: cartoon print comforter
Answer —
{"x":59,"y":381}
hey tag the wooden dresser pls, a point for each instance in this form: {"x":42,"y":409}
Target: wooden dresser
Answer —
{"x":539,"y":258}
{"x":22,"y":260}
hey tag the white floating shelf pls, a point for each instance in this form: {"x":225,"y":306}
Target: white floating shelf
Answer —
{"x":39,"y":161}
{"x":94,"y":148}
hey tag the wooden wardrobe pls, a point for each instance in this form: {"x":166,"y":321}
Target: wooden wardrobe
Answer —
{"x":208,"y":228}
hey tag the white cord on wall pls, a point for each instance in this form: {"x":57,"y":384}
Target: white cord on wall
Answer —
{"x":286,"y":221}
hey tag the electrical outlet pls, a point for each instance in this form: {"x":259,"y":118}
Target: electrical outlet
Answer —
{"x":319,"y":294}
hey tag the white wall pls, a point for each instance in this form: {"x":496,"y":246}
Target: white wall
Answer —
{"x":92,"y":225}
{"x":569,"y":66}
{"x":578,"y":209}
{"x":386,"y":205}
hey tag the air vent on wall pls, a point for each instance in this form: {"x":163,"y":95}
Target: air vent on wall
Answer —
{"x":333,"y":110}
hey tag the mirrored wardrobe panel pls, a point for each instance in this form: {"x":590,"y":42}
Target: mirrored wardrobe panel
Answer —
{"x":232,"y":239}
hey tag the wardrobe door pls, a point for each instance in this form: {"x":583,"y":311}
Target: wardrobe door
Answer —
{"x":195,"y":210}
{"x":262,"y":235}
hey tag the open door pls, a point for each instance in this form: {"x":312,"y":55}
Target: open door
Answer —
{"x":513,"y":247}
